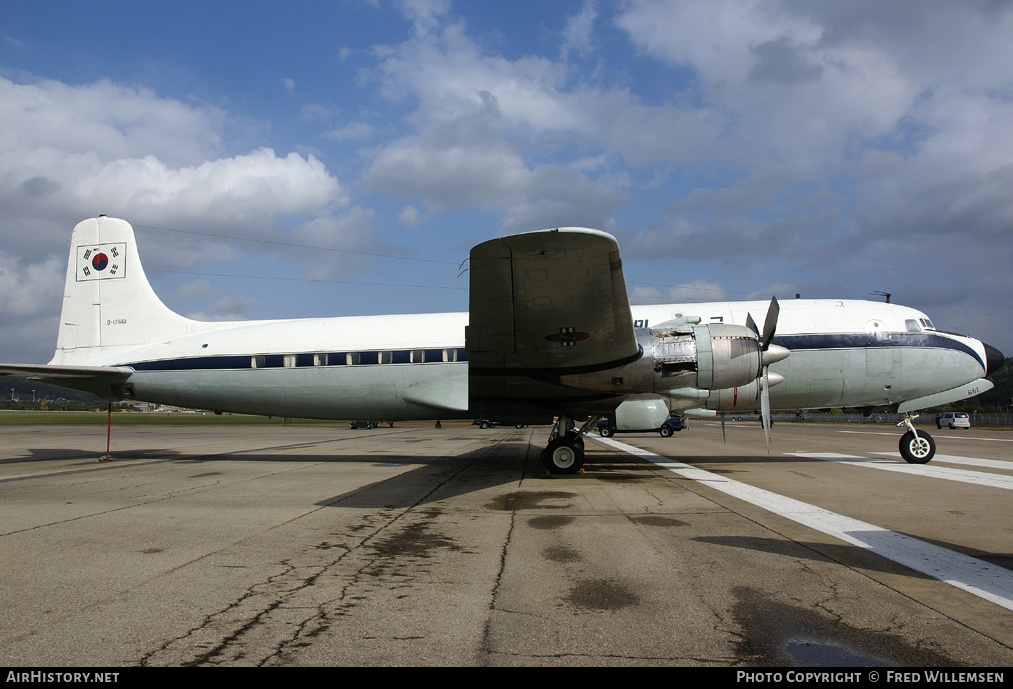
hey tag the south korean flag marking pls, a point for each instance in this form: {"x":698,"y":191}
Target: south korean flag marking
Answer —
{"x":101,"y":261}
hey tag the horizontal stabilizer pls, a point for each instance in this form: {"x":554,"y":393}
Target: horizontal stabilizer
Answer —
{"x":107,"y":382}
{"x":64,"y":373}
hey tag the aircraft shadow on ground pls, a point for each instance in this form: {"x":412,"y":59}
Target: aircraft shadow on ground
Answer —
{"x":842,"y":553}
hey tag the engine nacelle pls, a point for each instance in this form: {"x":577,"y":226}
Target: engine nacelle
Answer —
{"x":685,"y":363}
{"x":708,"y":357}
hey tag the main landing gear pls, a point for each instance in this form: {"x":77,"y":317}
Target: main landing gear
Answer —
{"x":916,"y":447}
{"x":565,"y":452}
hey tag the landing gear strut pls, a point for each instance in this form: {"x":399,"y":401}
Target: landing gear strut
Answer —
{"x":915,"y":447}
{"x":565,"y":452}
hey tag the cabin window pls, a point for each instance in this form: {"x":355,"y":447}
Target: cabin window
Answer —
{"x":288,"y":361}
{"x":450,"y":355}
{"x":418,"y":356}
{"x":319,"y":359}
{"x":353,"y":358}
{"x":386,"y":357}
{"x":258,"y":361}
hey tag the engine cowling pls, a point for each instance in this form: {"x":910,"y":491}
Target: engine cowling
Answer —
{"x":708,"y":357}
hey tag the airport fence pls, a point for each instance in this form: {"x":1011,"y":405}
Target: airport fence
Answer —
{"x":18,"y":417}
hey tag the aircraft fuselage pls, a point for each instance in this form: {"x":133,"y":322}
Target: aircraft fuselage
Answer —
{"x":843,"y":353}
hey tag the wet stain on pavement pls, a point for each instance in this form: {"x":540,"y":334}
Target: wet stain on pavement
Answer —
{"x":417,"y":540}
{"x":657,"y":520}
{"x":778,"y":634}
{"x":561,"y":553}
{"x":550,"y":522}
{"x":532,"y":499}
{"x":601,"y":595}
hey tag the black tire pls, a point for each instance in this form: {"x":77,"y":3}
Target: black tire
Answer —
{"x":666,"y":431}
{"x":563,"y":456}
{"x":606,"y":431}
{"x":484,"y":425}
{"x":917,"y":450}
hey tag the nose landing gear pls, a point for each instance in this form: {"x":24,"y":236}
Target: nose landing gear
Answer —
{"x":916,"y":447}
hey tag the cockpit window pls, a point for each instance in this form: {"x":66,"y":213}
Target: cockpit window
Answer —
{"x":913,"y":326}
{"x":926,"y":323}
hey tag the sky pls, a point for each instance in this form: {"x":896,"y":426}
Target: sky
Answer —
{"x":315,"y":158}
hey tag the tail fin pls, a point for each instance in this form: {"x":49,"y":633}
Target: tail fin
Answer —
{"x":107,"y":301}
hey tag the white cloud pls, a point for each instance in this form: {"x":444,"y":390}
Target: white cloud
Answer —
{"x":579,"y":31}
{"x":409,"y":216}
{"x":115,"y":122}
{"x":695,"y":291}
{"x":70,"y":152}
{"x":27,"y":289}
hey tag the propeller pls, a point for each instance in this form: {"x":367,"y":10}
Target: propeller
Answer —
{"x":770,"y":353}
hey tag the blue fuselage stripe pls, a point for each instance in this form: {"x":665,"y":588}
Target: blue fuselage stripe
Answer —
{"x":307,"y":360}
{"x":875,"y":341}
{"x":811,"y":342}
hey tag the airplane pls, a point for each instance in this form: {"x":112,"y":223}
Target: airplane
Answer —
{"x":550,"y":337}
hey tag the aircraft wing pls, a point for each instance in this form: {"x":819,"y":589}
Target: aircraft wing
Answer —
{"x":544,"y":305}
{"x":550,"y":302}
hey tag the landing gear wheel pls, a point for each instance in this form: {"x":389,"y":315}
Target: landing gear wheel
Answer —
{"x":563,"y":456}
{"x":917,"y":449}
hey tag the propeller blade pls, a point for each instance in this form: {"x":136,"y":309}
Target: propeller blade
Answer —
{"x":751,"y":324}
{"x":765,"y":407}
{"x":770,"y":323}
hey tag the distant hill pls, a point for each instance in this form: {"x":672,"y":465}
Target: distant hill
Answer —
{"x":1001,"y":396}
{"x":23,"y":387}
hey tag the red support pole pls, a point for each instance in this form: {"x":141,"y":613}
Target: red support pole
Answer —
{"x":109,"y":429}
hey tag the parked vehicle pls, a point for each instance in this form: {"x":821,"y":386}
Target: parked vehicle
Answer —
{"x":675,"y":423}
{"x":953,"y":419}
{"x":486,"y":423}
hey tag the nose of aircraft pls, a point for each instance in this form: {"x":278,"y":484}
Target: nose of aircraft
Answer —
{"x":994,"y":358}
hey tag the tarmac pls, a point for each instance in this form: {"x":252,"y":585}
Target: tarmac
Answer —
{"x":417,"y":546}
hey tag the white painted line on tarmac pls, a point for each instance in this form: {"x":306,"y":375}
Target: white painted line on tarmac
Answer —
{"x":978,"y":577}
{"x":978,"y":478}
{"x":956,"y":459}
{"x":936,"y":435}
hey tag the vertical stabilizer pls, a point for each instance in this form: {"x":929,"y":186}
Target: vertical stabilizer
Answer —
{"x":107,"y":301}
